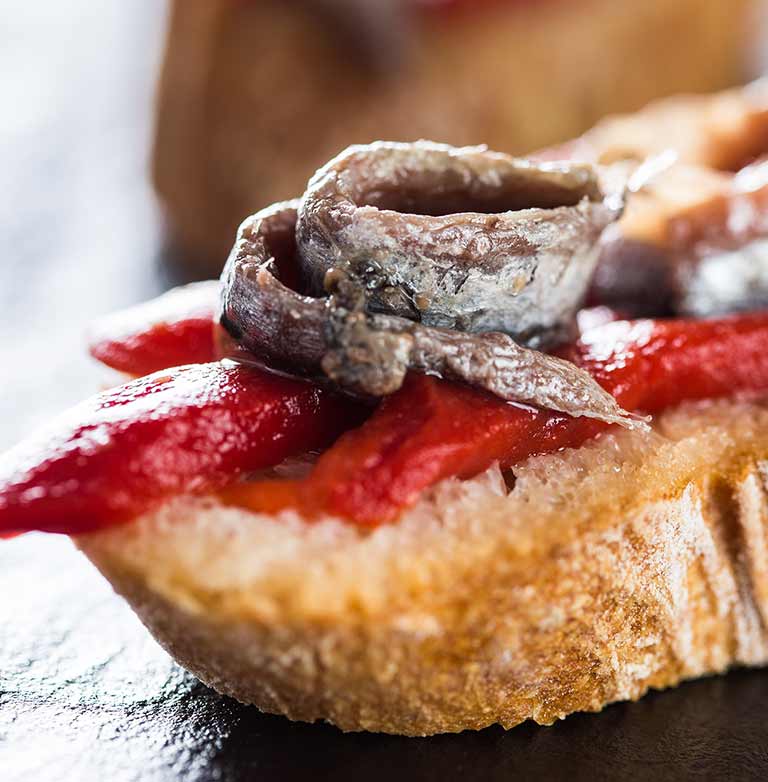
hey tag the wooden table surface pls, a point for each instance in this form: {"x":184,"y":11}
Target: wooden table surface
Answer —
{"x":85,"y":694}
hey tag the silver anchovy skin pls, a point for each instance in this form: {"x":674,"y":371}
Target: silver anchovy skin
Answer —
{"x":460,"y":238}
{"x":370,"y":353}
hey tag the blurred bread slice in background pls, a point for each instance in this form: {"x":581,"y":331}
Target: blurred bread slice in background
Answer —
{"x":255,"y":95}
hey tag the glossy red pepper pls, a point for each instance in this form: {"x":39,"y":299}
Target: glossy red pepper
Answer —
{"x":432,"y":429}
{"x":174,"y":329}
{"x":190,"y":429}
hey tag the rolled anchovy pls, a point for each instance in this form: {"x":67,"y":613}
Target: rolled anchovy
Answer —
{"x":711,"y":258}
{"x":370,"y":353}
{"x":458,"y":238}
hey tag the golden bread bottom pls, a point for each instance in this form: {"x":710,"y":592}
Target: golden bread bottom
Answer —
{"x":631,"y":563}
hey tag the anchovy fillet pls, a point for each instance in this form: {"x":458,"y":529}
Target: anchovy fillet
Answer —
{"x":459,"y":238}
{"x":370,"y":353}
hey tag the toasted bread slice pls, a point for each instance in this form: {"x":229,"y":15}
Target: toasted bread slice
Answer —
{"x":633,"y":562}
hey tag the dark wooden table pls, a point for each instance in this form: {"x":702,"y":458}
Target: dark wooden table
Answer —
{"x":85,"y":694}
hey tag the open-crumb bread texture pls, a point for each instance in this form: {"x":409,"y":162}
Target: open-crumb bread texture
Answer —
{"x":633,"y":562}
{"x":256,"y":95}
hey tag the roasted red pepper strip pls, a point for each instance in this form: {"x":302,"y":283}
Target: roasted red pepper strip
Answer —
{"x":190,"y":429}
{"x":431,"y":429}
{"x":174,"y":329}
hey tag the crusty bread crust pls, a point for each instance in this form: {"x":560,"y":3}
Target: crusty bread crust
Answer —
{"x":633,"y":562}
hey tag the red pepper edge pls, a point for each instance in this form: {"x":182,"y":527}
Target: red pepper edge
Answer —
{"x":647,"y":365}
{"x":431,"y":429}
{"x":189,"y":429}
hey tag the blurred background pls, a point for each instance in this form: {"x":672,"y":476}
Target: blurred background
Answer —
{"x":134,"y":137}
{"x":80,"y":230}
